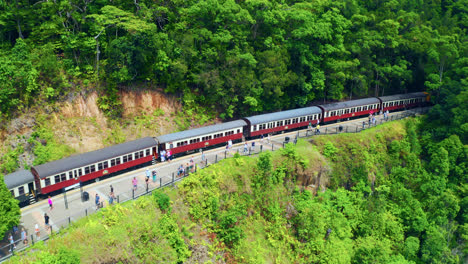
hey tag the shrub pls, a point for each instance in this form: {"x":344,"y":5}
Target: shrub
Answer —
{"x":162,"y":200}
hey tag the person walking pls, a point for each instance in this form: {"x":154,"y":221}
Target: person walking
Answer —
{"x":134,"y":183}
{"x":24,"y":236}
{"x":230,"y":144}
{"x":111,"y":189}
{"x":46,"y":221}
{"x":147,"y":182}
{"x":51,"y":205}
{"x":148,"y":173}
{"x":317,"y":129}
{"x":246,"y":148}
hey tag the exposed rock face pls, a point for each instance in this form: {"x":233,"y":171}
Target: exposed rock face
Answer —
{"x":136,"y":102}
{"x":18,"y":125}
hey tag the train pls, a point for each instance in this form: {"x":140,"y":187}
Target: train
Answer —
{"x":29,"y":185}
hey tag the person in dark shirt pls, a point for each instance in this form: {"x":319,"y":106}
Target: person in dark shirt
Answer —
{"x":46,"y":221}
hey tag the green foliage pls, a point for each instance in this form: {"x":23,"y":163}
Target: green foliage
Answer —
{"x":9,"y":210}
{"x":170,"y":230}
{"x":9,"y":161}
{"x":229,"y":231}
{"x":241,"y":57}
{"x":110,"y":102}
{"x":163,"y":201}
{"x":46,"y":147}
{"x":64,"y":255}
{"x":329,"y":150}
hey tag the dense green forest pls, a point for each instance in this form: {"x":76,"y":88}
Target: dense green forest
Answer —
{"x":240,"y":57}
{"x":385,"y":195}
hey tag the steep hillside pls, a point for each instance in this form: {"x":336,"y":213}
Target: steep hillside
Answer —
{"x":78,"y":125}
{"x":380,"y":196}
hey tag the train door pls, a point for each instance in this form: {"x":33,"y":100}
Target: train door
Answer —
{"x":155,"y":152}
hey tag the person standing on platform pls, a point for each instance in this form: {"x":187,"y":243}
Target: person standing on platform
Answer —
{"x":46,"y":221}
{"x":97,"y":201}
{"x":51,"y":205}
{"x":24,"y":237}
{"x":36,"y":230}
{"x":148,"y":173}
{"x":12,"y":242}
{"x":134,"y":183}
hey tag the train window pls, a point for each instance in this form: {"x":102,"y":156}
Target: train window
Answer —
{"x":106,"y":164}
{"x":57,"y":178}
{"x":142,"y":152}
{"x":12,"y":193}
{"x":21,"y":190}
{"x":148,"y":152}
{"x":92,"y":168}
{"x":86,"y":170}
{"x":100,"y":166}
{"x":47,"y":181}
{"x":63,"y":177}
{"x":137,"y":155}
{"x":113,"y":162}
{"x":125,"y":159}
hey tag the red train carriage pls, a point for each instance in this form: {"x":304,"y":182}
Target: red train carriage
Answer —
{"x":403,"y":101}
{"x":58,"y":174}
{"x":189,"y":140}
{"x":350,"y":109}
{"x":281,"y":121}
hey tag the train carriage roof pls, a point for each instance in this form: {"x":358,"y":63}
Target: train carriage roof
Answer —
{"x":349,"y":104}
{"x":92,"y":157}
{"x":265,"y":118}
{"x":402,"y":96}
{"x":18,"y":178}
{"x":200,"y":131}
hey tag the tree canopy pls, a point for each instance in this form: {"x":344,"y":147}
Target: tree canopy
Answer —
{"x":239,"y":57}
